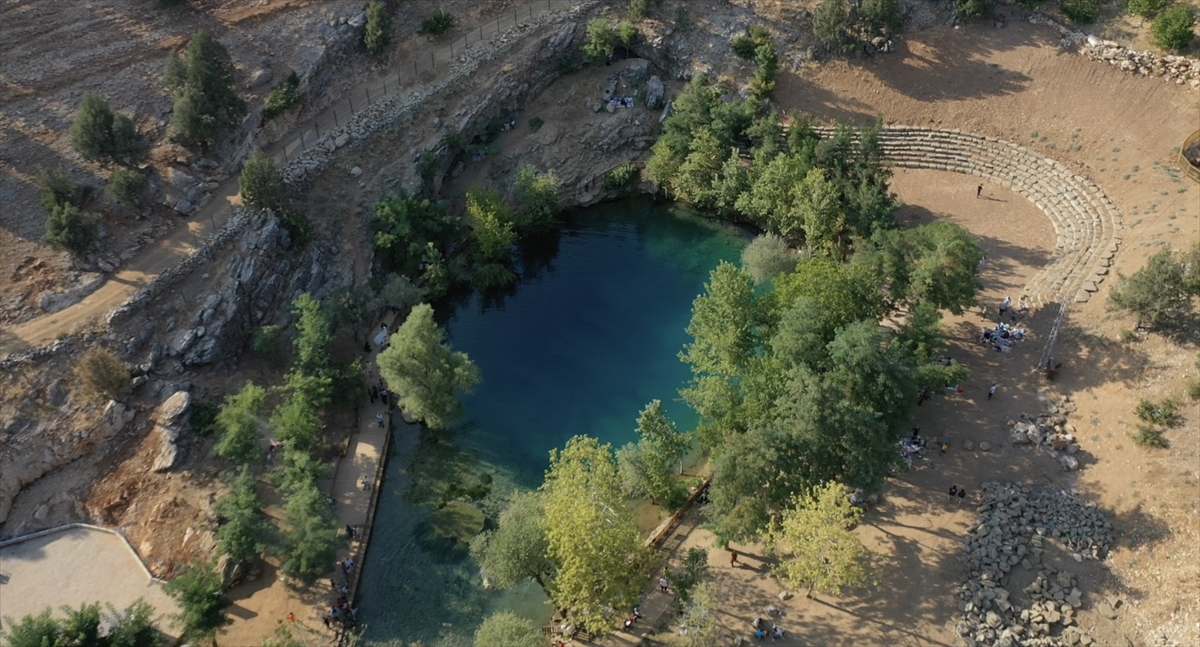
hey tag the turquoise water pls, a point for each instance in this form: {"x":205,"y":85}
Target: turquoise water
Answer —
{"x":589,"y":336}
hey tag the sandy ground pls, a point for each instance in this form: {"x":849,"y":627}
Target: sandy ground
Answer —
{"x":73,"y":567}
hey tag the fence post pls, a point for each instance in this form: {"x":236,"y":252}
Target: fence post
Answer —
{"x":368,"y":95}
{"x":432,"y":63}
{"x":350,"y":98}
{"x":336,"y":123}
{"x":317,"y":127}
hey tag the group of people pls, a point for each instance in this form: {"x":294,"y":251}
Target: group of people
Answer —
{"x":914,"y":445}
{"x":760,"y":630}
{"x":956,"y":492}
{"x":1001,"y":337}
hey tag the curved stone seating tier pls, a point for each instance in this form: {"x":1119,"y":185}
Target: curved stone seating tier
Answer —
{"x":1087,"y":224}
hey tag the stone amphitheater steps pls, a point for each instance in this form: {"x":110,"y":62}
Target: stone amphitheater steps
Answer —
{"x":1087,"y":224}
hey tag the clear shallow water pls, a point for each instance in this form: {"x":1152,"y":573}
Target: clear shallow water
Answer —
{"x":590,"y":335}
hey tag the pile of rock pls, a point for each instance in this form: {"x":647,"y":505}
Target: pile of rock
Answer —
{"x":1050,"y":431}
{"x":1013,"y":525}
{"x":1179,"y":69}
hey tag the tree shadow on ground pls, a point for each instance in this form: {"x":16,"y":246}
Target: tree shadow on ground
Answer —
{"x":932,"y":69}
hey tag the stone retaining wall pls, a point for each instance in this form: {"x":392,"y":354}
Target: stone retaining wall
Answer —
{"x":1179,"y":69}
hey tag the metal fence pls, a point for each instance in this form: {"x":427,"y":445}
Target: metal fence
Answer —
{"x":424,"y":66}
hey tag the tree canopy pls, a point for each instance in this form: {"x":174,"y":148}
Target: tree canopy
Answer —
{"x":86,"y":626}
{"x":101,"y":135}
{"x":427,"y":376}
{"x":507,"y":629}
{"x":591,"y":534}
{"x":244,"y":529}
{"x":202,"y":601}
{"x":1161,"y":291}
{"x":260,"y":184}
{"x":202,"y":83}
{"x":815,"y":539}
{"x":517,"y":549}
{"x":239,"y":425}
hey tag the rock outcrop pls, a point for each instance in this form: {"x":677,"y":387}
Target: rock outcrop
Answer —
{"x":170,"y":420}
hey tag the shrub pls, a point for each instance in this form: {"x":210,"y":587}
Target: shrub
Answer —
{"x":1173,"y":27}
{"x":71,"y":230}
{"x":1149,"y":436}
{"x":537,"y":200}
{"x":1164,"y":413}
{"x":622,"y":176}
{"x":202,"y":601}
{"x":768,"y":256}
{"x":1146,"y":8}
{"x":763,"y":83}
{"x":127,"y":186}
{"x":58,"y":190}
{"x":1080,"y":11}
{"x":743,"y":47}
{"x":1191,"y":387}
{"x":103,"y":375}
{"x":1128,"y":336}
{"x":507,"y":629}
{"x":101,"y":135}
{"x":283,"y":96}
{"x":1157,"y":293}
{"x":626,"y":33}
{"x":536,"y":124}
{"x":260,"y":184}
{"x":202,"y":82}
{"x":378,"y":32}
{"x":438,"y":24}
{"x":639,"y":9}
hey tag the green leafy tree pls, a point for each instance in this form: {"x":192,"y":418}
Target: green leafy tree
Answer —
{"x":1173,"y":28}
{"x":314,"y":336}
{"x":492,"y":236}
{"x":934,"y":263}
{"x":81,"y":626}
{"x":723,"y":331}
{"x":405,"y":226}
{"x":202,"y":82}
{"x":1156,"y":293}
{"x":660,"y":448}
{"x":507,"y":629}
{"x":299,"y":471}
{"x":1080,"y":11}
{"x":592,"y":535}
{"x":1146,"y":8}
{"x":768,"y":256}
{"x":283,"y":96}
{"x":974,"y":8}
{"x":537,"y":200}
{"x":134,"y":626}
{"x":260,"y":184}
{"x":763,"y":82}
{"x":42,"y":630}
{"x":297,"y":420}
{"x":71,"y":230}
{"x":239,"y":425}
{"x":817,"y":544}
{"x":398,"y":292}
{"x":700,"y":616}
{"x":517,"y":549}
{"x":378,"y":32}
{"x":101,"y":135}
{"x":202,"y":601}
{"x":426,"y":374}
{"x":103,"y":375}
{"x":599,"y":40}
{"x":636,"y":476}
{"x":57,"y":189}
{"x":833,"y":25}
{"x":310,"y":534}
{"x":127,"y":186}
{"x":244,"y":529}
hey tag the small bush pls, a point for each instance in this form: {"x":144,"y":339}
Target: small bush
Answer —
{"x":1173,"y":28}
{"x":58,"y":190}
{"x":260,"y":185}
{"x":744,"y":47}
{"x":438,"y":24}
{"x":71,"y":230}
{"x":101,"y":135}
{"x":974,"y":8}
{"x":283,"y":96}
{"x":1128,"y":336}
{"x":1191,"y":387}
{"x":127,"y":186}
{"x":622,"y":176}
{"x":600,"y":40}
{"x":103,"y":375}
{"x":1149,"y":436}
{"x":639,"y":9}
{"x":536,"y":124}
{"x":1080,"y":11}
{"x":297,"y":226}
{"x":1164,"y":413}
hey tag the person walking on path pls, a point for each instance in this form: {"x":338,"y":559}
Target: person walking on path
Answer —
{"x":992,"y":391}
{"x":663,"y":583}
{"x":979,"y":191}
{"x":952,"y":493}
{"x":962,"y":495}
{"x":732,"y":558}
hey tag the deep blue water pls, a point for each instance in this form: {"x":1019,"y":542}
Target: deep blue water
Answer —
{"x":584,"y":346}
{"x":588,"y":337}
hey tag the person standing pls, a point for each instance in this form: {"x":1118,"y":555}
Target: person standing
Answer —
{"x":663,"y":583}
{"x":979,"y":191}
{"x":732,"y":558}
{"x":992,"y":391}
{"x":953,"y":492}
{"x":962,"y":495}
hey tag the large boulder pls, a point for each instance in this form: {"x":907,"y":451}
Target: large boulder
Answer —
{"x":655,"y":93}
